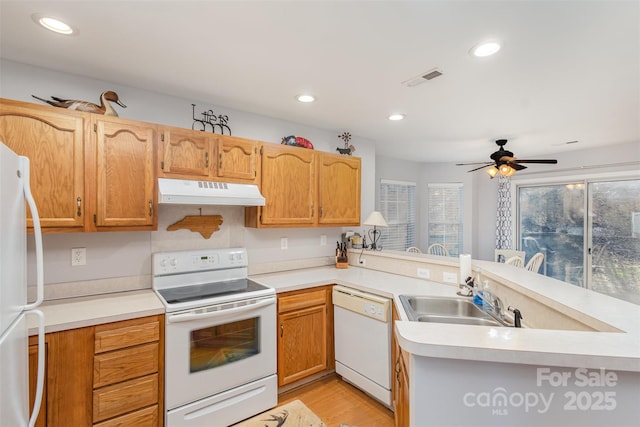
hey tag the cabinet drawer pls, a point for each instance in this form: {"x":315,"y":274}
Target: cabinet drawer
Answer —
{"x":125,"y":397}
{"x":125,"y":334}
{"x":147,"y":417}
{"x":121,"y":365}
{"x":298,"y":300}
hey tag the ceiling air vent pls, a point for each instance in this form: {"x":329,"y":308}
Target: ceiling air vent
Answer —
{"x":426,"y":76}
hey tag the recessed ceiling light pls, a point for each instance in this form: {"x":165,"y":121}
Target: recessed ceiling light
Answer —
{"x":396,"y":117}
{"x":485,"y":48}
{"x":305,"y":98}
{"x":53,"y":24}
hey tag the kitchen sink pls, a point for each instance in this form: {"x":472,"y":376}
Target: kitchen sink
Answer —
{"x":444,"y":306}
{"x":446,"y":310}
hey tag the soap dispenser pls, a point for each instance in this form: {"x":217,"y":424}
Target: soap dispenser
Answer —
{"x":477,"y":297}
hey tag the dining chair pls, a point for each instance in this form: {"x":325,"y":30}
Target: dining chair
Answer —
{"x":501,"y":255}
{"x":535,"y":262}
{"x":414,"y":250}
{"x":516,"y":261}
{"x":438,"y":249}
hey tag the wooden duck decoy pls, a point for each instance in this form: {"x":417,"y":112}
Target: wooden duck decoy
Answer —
{"x":105,"y":106}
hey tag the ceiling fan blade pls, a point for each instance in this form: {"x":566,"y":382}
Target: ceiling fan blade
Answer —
{"x":481,"y":167}
{"x":516,"y":166}
{"x":476,"y":163}
{"x":549,"y":162}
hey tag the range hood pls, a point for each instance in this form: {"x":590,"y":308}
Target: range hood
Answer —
{"x":187,"y":192}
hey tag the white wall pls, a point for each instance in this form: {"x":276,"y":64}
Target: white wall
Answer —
{"x":129,"y":253}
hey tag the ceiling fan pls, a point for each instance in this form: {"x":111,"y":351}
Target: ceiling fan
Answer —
{"x":504,"y":163}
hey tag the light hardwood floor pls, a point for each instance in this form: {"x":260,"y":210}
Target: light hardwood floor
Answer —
{"x":338,"y":402}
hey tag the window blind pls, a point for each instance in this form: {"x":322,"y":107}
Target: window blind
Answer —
{"x":445,"y":216}
{"x":397,"y":201}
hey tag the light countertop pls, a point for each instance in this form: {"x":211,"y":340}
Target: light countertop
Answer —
{"x":63,"y":314}
{"x":611,"y":350}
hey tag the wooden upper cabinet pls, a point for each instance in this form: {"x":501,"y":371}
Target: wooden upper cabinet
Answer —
{"x":125,"y":174}
{"x":238,"y":159}
{"x":339,"y":190}
{"x":186,"y":154}
{"x":288,"y":185}
{"x":54,"y":144}
{"x":191,"y":154}
{"x":306,"y":188}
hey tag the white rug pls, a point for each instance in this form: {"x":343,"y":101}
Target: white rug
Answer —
{"x":293,"y":414}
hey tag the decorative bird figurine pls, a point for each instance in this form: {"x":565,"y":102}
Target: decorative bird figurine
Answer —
{"x":105,"y":106}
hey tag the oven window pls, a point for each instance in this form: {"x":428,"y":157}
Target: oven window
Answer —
{"x":223,"y":344}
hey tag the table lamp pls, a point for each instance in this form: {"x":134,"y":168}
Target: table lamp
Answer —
{"x":375,"y":219}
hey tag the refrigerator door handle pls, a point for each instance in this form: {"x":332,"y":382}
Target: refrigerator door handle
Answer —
{"x":37,"y":234}
{"x":40,"y":381}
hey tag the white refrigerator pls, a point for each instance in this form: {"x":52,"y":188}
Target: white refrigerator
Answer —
{"x":14,"y":307}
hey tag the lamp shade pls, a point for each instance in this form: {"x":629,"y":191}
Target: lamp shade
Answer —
{"x":376,"y":219}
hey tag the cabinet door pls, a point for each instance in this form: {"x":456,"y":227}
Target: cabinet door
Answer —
{"x":400,"y":383}
{"x":125,"y":174}
{"x":302,"y":343}
{"x":339,"y":190}
{"x":237,"y":159}
{"x":288,"y":185}
{"x":185,"y":154}
{"x":70,"y":377}
{"x":54,"y":144}
{"x":41,"y":421}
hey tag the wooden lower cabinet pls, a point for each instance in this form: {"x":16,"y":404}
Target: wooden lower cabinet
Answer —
{"x":33,"y":377}
{"x":305,"y":334}
{"x":106,"y":375}
{"x":147,"y":417}
{"x":400,"y":383}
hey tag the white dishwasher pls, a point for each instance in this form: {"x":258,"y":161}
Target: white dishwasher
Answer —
{"x":362,"y":329}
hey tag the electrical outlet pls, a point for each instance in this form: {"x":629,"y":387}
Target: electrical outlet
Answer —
{"x":423,"y":273}
{"x":323,"y":240}
{"x":450,"y":277}
{"x":78,"y":256}
{"x":284,"y":243}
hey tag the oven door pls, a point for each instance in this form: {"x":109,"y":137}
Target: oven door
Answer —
{"x":216,"y":348}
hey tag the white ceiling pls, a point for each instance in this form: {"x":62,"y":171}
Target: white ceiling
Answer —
{"x":568,"y":70}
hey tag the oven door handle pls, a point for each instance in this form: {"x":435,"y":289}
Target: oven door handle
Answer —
{"x":176,"y":318}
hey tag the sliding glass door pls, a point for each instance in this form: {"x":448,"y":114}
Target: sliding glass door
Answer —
{"x":614,"y":225}
{"x":589,"y":232}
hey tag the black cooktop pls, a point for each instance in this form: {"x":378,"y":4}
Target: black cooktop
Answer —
{"x":212,"y":291}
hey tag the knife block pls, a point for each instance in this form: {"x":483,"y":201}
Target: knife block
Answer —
{"x":342,"y":262}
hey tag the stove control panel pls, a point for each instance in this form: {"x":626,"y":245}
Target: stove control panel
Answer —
{"x":193,"y":261}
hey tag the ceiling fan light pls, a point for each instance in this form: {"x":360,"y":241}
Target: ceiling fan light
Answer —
{"x":492,"y":171}
{"x":506,"y":170}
